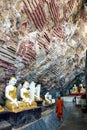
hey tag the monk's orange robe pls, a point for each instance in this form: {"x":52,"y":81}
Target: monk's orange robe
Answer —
{"x":59,"y":108}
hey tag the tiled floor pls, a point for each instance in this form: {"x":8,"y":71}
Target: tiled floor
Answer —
{"x":50,"y":121}
{"x":77,"y":120}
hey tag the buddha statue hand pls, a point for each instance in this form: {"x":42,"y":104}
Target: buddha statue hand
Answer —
{"x":29,"y":101}
{"x":15,"y":102}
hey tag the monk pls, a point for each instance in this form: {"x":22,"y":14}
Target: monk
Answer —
{"x":59,"y":108}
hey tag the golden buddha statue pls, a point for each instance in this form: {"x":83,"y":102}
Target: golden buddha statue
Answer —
{"x":26,"y":94}
{"x":75,"y":89}
{"x":82,"y":89}
{"x":48,"y":100}
{"x":12,"y":103}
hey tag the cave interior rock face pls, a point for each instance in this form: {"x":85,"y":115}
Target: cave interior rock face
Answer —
{"x":44,"y":41}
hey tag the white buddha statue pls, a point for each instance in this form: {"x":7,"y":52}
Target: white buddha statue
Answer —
{"x":75,"y":89}
{"x":82,"y":89}
{"x":24,"y":94}
{"x":32,"y":90}
{"x":32,"y":94}
{"x":11,"y":95}
{"x":37,"y":92}
{"x":48,"y":98}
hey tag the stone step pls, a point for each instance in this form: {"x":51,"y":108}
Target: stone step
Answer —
{"x":4,"y":125}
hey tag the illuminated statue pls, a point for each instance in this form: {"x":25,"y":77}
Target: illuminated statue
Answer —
{"x":28,"y":95}
{"x":10,"y":93}
{"x":24,"y":94}
{"x":32,"y":94}
{"x":82,"y":89}
{"x":37,"y":92}
{"x":48,"y":99}
{"x":75,"y":89}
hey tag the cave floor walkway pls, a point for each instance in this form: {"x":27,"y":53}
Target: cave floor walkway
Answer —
{"x":74,"y":119}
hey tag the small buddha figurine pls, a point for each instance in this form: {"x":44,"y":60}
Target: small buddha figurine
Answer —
{"x":37,"y":92}
{"x":48,"y":98}
{"x":75,"y":89}
{"x":12,"y":103}
{"x":82,"y":89}
{"x":32,"y":94}
{"x":24,"y":94}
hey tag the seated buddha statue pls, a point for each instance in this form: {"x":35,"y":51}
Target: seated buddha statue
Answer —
{"x":12,"y":103}
{"x":32,"y":94}
{"x":48,"y":98}
{"x":24,"y":94}
{"x":37,"y":93}
{"x":82,"y":89}
{"x":75,"y":89}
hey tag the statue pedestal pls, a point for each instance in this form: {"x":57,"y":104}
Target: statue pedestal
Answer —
{"x":46,"y":107}
{"x":21,"y":118}
{"x":18,"y":119}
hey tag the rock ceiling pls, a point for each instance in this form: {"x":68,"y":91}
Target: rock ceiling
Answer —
{"x":42,"y":40}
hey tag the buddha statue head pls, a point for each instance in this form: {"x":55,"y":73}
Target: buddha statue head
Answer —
{"x":81,"y":85}
{"x":32,"y":84}
{"x":26,"y":85}
{"x":12,"y":81}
